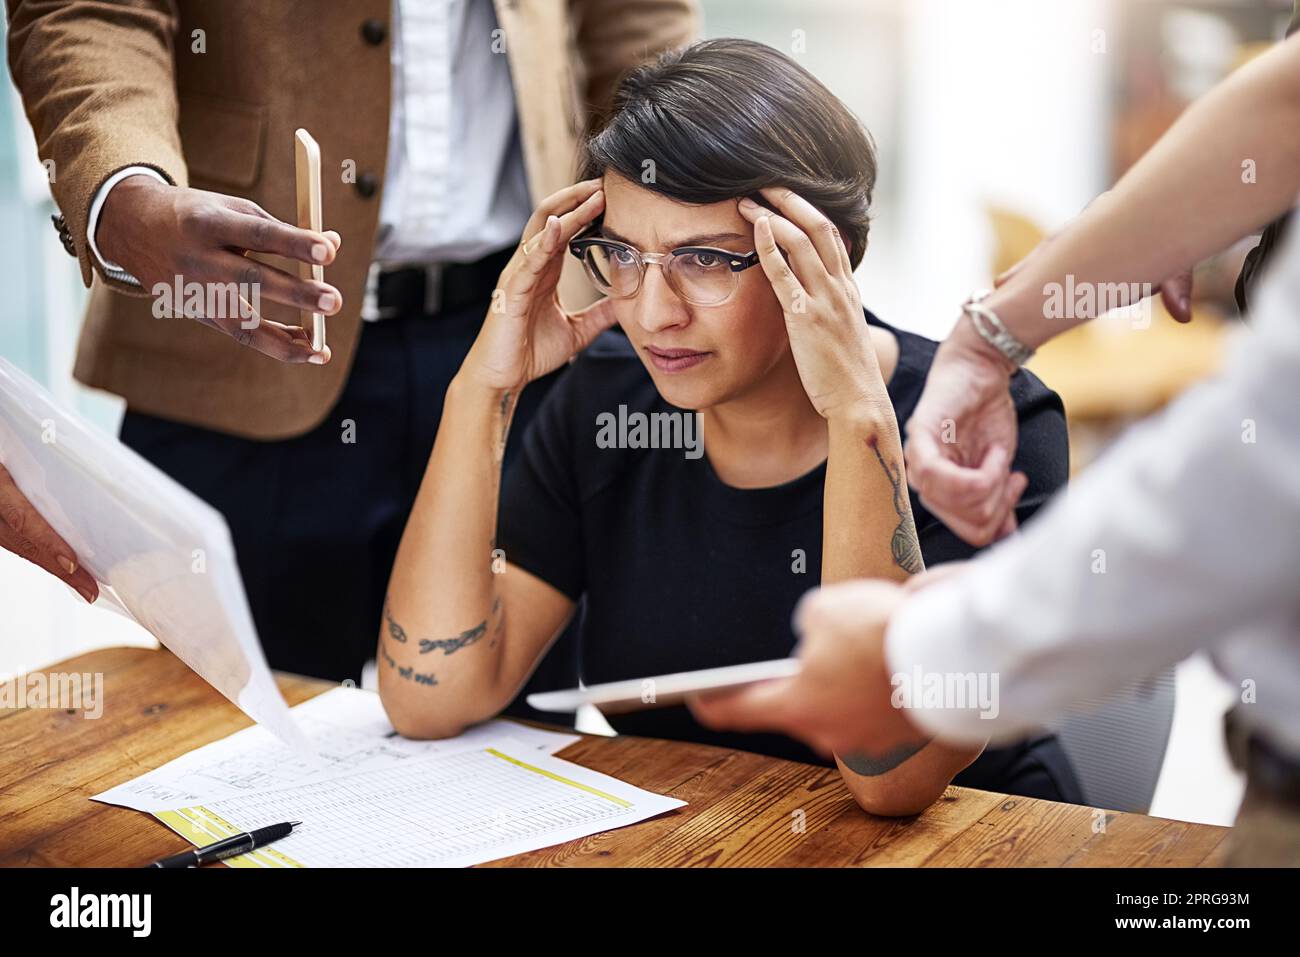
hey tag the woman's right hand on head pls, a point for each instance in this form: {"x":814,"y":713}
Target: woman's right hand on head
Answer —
{"x":527,"y":333}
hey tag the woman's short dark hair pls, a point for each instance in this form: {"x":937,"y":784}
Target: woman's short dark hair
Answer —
{"x":724,"y":118}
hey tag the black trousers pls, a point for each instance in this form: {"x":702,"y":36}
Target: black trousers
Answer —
{"x":316,"y":519}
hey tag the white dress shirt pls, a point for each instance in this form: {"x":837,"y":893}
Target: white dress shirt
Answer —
{"x":455,"y":187}
{"x":1195,"y":514}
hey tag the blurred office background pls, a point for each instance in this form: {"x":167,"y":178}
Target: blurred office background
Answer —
{"x":996,"y":121}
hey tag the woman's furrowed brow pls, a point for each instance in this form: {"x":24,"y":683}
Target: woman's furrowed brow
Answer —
{"x":704,"y":239}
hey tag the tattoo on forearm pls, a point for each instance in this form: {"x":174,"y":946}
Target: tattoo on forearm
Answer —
{"x":904,"y":545}
{"x":870,"y":766}
{"x":505,"y":420}
{"x":467,"y":637}
{"x":499,"y":627}
{"x":395,"y":630}
{"x":406,"y":671}
{"x":452,"y":645}
{"x":447,"y":645}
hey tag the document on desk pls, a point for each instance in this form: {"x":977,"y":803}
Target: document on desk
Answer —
{"x":347,"y":730}
{"x":447,"y":810}
{"x":369,"y":798}
{"x":162,"y":553}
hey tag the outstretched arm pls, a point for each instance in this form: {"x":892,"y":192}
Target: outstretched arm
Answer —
{"x":1227,"y":166}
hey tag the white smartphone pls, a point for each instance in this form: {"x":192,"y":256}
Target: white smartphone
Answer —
{"x":637,"y":694}
{"x":307,"y":164}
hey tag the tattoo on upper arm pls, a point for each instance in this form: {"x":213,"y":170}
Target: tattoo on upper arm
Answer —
{"x":870,"y":766}
{"x":903,"y":545}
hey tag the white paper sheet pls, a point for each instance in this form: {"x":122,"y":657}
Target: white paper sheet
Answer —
{"x":165,"y":553}
{"x":448,"y":810}
{"x":347,"y":730}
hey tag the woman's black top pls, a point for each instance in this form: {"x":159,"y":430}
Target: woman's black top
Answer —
{"x":678,"y":571}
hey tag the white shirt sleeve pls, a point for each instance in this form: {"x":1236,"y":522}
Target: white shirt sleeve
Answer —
{"x":1188,"y":528}
{"x":97,"y":205}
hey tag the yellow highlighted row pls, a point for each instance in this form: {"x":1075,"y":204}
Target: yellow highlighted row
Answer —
{"x":201,"y":827}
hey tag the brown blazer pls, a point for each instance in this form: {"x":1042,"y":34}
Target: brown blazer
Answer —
{"x":109,"y":85}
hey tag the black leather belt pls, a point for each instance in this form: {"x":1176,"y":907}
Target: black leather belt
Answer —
{"x":1275,"y":773}
{"x":411,"y":291}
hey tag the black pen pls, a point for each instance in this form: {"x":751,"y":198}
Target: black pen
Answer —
{"x":228,"y":847}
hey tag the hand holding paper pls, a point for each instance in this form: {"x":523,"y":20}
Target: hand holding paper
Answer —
{"x":25,"y":532}
{"x":164,"y":554}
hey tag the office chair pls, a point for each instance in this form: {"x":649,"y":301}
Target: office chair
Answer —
{"x":1117,"y":743}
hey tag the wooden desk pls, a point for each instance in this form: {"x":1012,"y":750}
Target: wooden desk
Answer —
{"x":742,"y":810}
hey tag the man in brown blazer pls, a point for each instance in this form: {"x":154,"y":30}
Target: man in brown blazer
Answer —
{"x":441,"y":123}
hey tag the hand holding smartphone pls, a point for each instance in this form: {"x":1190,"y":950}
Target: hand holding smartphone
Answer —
{"x":307,"y":163}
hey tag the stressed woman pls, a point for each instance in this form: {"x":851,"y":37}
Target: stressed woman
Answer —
{"x":724,"y":211}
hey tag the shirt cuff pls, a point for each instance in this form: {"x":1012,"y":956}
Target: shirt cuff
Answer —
{"x":113,"y":269}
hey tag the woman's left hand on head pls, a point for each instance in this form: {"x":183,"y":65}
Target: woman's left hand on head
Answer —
{"x":823,"y":310}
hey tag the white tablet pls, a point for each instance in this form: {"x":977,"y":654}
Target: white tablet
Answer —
{"x":639,"y":693}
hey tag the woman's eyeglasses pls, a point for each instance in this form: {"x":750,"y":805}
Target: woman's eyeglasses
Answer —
{"x":700,"y":275}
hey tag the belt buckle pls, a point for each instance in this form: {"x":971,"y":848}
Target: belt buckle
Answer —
{"x":370,"y":298}
{"x":372,"y":311}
